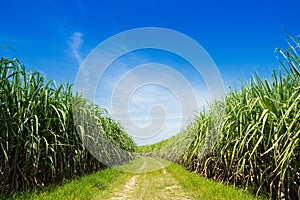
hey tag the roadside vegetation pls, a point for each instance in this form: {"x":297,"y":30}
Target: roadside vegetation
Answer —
{"x":172,"y":182}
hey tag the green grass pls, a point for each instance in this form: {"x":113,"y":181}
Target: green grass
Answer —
{"x":142,"y":164}
{"x":201,"y":188}
{"x":104,"y":185}
{"x":88,"y":187}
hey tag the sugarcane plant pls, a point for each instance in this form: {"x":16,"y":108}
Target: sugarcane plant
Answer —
{"x":260,"y":142}
{"x":39,"y":140}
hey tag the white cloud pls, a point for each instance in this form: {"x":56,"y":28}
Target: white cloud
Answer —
{"x":75,"y":44}
{"x":148,"y":97}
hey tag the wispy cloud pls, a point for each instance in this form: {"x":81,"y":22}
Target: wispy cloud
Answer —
{"x":75,"y":44}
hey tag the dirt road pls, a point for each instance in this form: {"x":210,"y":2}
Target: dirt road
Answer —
{"x":151,"y":181}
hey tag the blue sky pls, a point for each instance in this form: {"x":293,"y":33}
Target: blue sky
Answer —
{"x":55,"y":36}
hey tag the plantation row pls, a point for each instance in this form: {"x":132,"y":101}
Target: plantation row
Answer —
{"x":258,"y":134}
{"x":40,"y":143}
